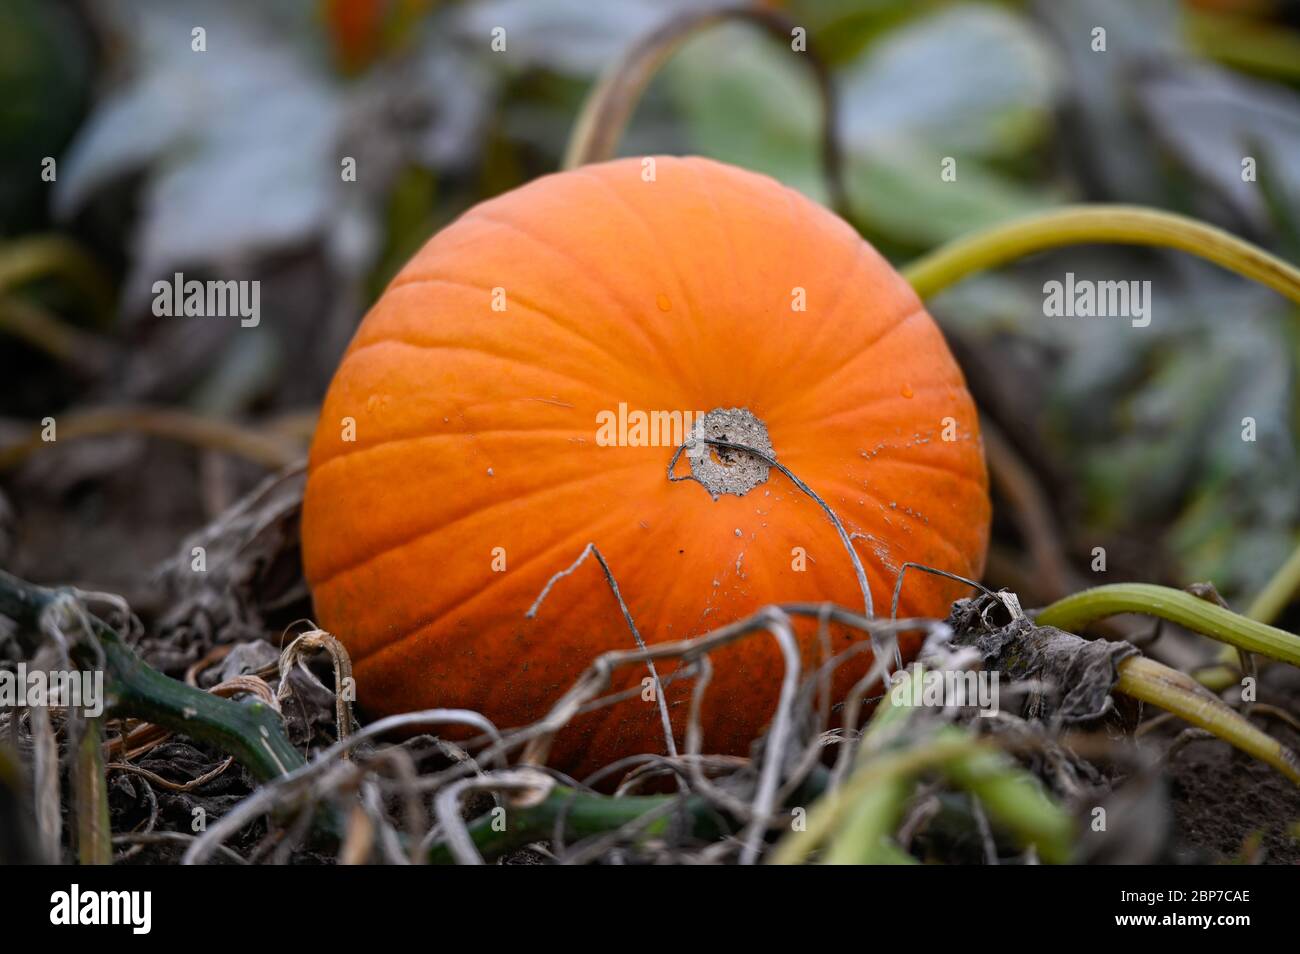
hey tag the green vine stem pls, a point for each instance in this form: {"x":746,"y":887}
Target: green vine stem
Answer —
{"x":866,"y":826}
{"x":1182,"y":695}
{"x":265,"y":449}
{"x":42,"y":329}
{"x":580,"y":815}
{"x":854,"y":821}
{"x":866,"y":831}
{"x":1108,"y":224}
{"x":1015,"y":799}
{"x":1177,"y":606}
{"x":251,"y":732}
{"x":609,"y":106}
{"x":39,"y":256}
{"x":1265,"y":607}
{"x":94,"y":832}
{"x":1278,"y":591}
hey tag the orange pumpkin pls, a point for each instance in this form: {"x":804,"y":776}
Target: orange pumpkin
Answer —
{"x":510,"y":399}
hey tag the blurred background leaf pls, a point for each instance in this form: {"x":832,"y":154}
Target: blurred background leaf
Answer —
{"x":749,"y":101}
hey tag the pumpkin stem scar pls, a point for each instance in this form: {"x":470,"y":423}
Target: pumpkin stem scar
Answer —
{"x":691,"y":447}
{"x":591,"y":550}
{"x":728,"y":472}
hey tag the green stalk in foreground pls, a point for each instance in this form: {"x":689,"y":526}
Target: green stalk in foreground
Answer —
{"x":865,"y":834}
{"x":1106,"y":224}
{"x":581,"y":815}
{"x":853,"y":823}
{"x":1177,"y":606}
{"x":1015,"y":800}
{"x":94,"y":832}
{"x":252,"y":732}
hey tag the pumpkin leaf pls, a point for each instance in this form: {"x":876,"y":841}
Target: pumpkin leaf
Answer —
{"x":573,"y":37}
{"x":1151,"y":419}
{"x":748,"y":101}
{"x":234,"y":138}
{"x":1211,"y":120}
{"x":1110,"y":145}
{"x":992,"y":99}
{"x":241,"y":145}
{"x":898,"y":193}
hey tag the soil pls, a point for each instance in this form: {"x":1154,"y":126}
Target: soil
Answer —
{"x":1229,"y":807}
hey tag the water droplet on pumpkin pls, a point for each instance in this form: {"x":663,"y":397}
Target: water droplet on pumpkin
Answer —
{"x":907,"y":391}
{"x":663,"y":302}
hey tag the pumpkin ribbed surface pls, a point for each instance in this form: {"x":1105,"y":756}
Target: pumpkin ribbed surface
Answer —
{"x":460,"y":436}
